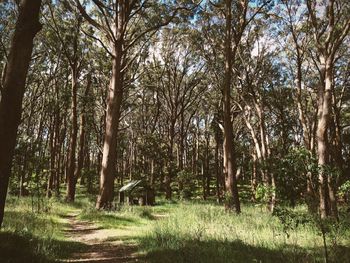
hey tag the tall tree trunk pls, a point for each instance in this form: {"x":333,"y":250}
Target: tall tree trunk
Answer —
{"x":324,"y":108}
{"x":337,"y":148}
{"x":232,"y":198}
{"x":114,"y":102}
{"x":52,"y":158}
{"x":71,"y":180}
{"x":57,"y":146}
{"x":27,"y":27}
{"x":329,"y":39}
{"x":181,"y":149}
{"x":301,"y":114}
{"x":265,"y":151}
{"x":307,"y":132}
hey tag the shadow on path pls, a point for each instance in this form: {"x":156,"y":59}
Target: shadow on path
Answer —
{"x":101,"y":245}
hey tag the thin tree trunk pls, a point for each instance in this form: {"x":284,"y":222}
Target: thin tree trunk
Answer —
{"x":52,"y":160}
{"x":152,"y":174}
{"x":194,"y":153}
{"x":82,"y":132}
{"x":170,"y":170}
{"x":2,"y":78}
{"x":207,"y":166}
{"x":254,"y":179}
{"x":217,"y":172}
{"x":58,"y":146}
{"x":204,"y":194}
{"x":22,"y":189}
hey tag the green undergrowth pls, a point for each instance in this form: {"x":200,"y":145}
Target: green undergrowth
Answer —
{"x":206,"y":233}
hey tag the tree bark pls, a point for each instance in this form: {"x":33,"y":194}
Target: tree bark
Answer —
{"x":27,"y":27}
{"x":71,"y":180}
{"x":324,"y":108}
{"x":109,"y":156}
{"x":232,"y":198}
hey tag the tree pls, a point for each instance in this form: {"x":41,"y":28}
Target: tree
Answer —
{"x":237,"y":16}
{"x":232,"y":198}
{"x":177,"y":76}
{"x":120,"y":24}
{"x":73,"y":54}
{"x":329,"y":30}
{"x":258,"y":76}
{"x":298,"y":34}
{"x":27,"y":27}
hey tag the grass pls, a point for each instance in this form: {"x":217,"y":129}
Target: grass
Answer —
{"x":172,"y":232}
{"x":29,"y":236}
{"x":206,"y":233}
{"x":203,"y":232}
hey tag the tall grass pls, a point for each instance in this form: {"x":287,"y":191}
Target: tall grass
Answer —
{"x":171,"y":232}
{"x":206,"y":233}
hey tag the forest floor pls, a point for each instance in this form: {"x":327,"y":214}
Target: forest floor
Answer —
{"x":40,"y":231}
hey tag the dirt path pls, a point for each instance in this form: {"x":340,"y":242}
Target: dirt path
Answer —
{"x":102,"y":245}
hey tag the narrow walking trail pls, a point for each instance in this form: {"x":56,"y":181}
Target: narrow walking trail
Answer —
{"x":101,"y":245}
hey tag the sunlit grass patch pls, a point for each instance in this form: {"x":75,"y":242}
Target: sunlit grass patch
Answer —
{"x":206,"y":233}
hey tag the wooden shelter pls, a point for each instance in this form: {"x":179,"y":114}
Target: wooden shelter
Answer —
{"x":137,"y":192}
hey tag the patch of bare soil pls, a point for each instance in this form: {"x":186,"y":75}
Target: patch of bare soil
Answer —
{"x":99,"y":247}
